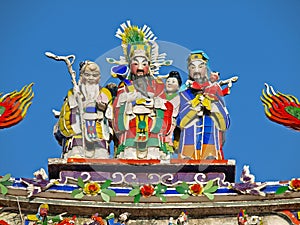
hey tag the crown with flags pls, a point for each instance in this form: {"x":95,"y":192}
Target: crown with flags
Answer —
{"x":138,"y":41}
{"x":135,"y":41}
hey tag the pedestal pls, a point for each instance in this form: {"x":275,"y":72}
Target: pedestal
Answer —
{"x":175,"y":167}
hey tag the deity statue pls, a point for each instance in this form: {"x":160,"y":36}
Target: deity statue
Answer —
{"x":83,"y":128}
{"x":203,"y":117}
{"x":173,"y":83}
{"x":142,"y":115}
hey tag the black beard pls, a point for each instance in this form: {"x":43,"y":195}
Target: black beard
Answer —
{"x":141,"y":82}
{"x":135,"y":77}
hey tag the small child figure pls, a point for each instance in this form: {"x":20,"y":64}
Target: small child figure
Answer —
{"x":173,"y":84}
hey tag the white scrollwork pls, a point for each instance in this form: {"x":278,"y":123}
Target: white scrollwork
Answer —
{"x":166,"y":179}
{"x":221,"y":182}
{"x":200,"y":177}
{"x":154,"y":178}
{"x":87,"y":178}
{"x":63,"y":179}
{"x":131,"y":178}
{"x":115,"y":177}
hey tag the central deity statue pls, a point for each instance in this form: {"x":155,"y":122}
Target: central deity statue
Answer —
{"x":142,"y":115}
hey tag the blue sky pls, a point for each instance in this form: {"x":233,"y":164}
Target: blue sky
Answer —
{"x":257,"y":40}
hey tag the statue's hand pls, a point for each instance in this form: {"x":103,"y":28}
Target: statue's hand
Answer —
{"x":159,"y":103}
{"x":129,"y":97}
{"x":148,"y":102}
{"x":197,"y":100}
{"x":102,"y":102}
{"x":76,"y":90}
{"x":122,"y":97}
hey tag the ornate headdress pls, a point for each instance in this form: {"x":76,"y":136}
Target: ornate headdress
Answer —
{"x":139,"y":42}
{"x":198,"y":54}
{"x":135,"y":41}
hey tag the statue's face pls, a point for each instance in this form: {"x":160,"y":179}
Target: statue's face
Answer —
{"x":43,"y":212}
{"x":139,"y":66}
{"x":213,"y":77}
{"x":172,"y":85}
{"x":197,"y":70}
{"x":91,"y":74}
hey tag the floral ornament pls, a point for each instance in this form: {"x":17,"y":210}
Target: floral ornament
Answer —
{"x":294,"y":185}
{"x":93,"y":189}
{"x":197,"y":189}
{"x":147,"y":191}
{"x":4,"y":182}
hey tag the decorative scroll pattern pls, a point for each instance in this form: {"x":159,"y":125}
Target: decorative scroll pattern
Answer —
{"x":167,"y":179}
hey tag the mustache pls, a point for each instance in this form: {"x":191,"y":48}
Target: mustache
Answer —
{"x":139,"y":70}
{"x":197,"y":73}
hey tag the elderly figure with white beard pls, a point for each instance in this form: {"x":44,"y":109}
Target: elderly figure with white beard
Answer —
{"x":83,"y":128}
{"x":203,"y":118}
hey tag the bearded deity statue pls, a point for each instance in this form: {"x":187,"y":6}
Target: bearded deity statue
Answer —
{"x":142,"y":115}
{"x":83,"y":128}
{"x":203,"y":117}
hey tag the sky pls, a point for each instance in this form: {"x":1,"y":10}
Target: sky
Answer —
{"x":259,"y":41}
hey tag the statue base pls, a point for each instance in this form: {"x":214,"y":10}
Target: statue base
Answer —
{"x":174,"y":169}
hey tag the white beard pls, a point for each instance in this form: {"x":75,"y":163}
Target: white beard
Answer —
{"x":90,"y":91}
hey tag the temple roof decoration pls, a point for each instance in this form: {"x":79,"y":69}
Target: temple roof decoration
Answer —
{"x":281,"y":108}
{"x":14,"y":106}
